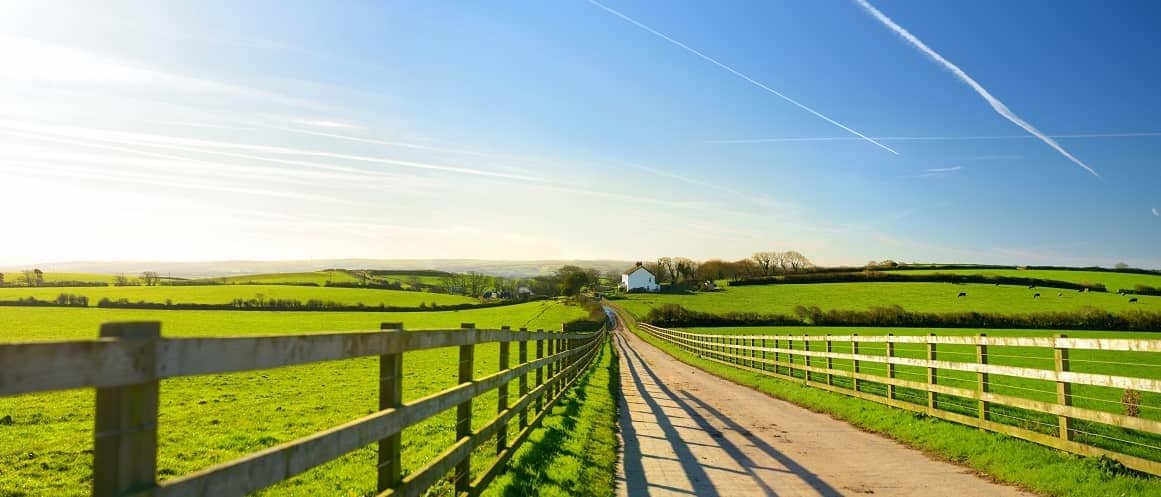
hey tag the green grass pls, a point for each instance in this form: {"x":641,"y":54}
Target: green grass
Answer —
{"x":574,"y":452}
{"x":215,"y":418}
{"x":1041,"y":469}
{"x":52,"y":277}
{"x":1111,"y":280}
{"x":316,"y":277}
{"x":224,"y":294}
{"x":923,"y":297}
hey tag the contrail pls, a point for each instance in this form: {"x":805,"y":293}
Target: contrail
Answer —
{"x":930,"y":138}
{"x":740,"y":75}
{"x":996,"y":104}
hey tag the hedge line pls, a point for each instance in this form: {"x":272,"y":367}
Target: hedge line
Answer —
{"x":1087,"y":318}
{"x":880,"y":276}
{"x":255,"y":305}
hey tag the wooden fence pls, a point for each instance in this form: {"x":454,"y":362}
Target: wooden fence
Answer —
{"x":963,"y":391}
{"x":126,"y":364}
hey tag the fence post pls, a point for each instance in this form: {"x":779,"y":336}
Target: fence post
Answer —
{"x":522,"y":357}
{"x":464,"y":410}
{"x":390,"y":397}
{"x":502,"y":394}
{"x":855,"y":362}
{"x":539,"y":371}
{"x":806,"y":358}
{"x":932,"y":373}
{"x":1063,"y":388}
{"x":777,"y":357}
{"x":829,"y":360}
{"x":125,"y":434}
{"x":790,"y":355}
{"x":982,"y":380}
{"x":890,"y":365}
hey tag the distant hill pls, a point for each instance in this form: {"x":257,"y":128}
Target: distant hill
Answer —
{"x":232,"y":268}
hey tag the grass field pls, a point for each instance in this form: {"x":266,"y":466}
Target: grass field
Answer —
{"x":215,"y":418}
{"x":52,"y":277}
{"x":925,"y":297}
{"x":316,"y":277}
{"x":1041,"y":469}
{"x":224,"y":294}
{"x":1111,"y":280}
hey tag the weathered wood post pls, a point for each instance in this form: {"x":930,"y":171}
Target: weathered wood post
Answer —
{"x":765,"y":363}
{"x":982,"y":380}
{"x":777,"y":357}
{"x":125,"y":434}
{"x":463,"y":481}
{"x":890,"y":365}
{"x":539,"y":370}
{"x":522,"y":357}
{"x":829,"y":360}
{"x":502,"y":393}
{"x":390,"y":468}
{"x":1063,"y":388}
{"x":932,"y":373}
{"x":790,"y":355}
{"x":855,"y":362}
{"x":806,"y":358}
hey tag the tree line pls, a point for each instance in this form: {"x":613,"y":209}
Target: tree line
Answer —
{"x":679,"y":270}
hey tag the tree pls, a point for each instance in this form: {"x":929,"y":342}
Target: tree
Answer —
{"x":766,"y":261}
{"x":39,"y":275}
{"x":150,"y":278}
{"x":684,"y":267}
{"x":1121,"y":265}
{"x":477,"y":283}
{"x":665,"y":266}
{"x":27,"y":278}
{"x":120,"y":280}
{"x":1,"y":279}
{"x":573,"y":279}
{"x":796,"y":261}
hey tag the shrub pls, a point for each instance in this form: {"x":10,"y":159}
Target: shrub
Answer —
{"x":1131,"y":402}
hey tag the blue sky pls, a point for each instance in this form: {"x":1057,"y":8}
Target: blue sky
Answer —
{"x":536,"y":130}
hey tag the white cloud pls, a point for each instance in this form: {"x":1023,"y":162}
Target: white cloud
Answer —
{"x":943,"y":169}
{"x":1156,"y":213}
{"x":996,"y":104}
{"x":324,"y":124}
{"x":739,"y":74}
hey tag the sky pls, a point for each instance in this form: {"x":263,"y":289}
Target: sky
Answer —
{"x":969,"y":132}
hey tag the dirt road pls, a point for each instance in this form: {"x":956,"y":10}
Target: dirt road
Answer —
{"x":686,"y":432}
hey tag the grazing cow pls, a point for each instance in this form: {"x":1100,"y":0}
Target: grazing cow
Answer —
{"x":1133,"y":300}
{"x":1031,"y":287}
{"x":1036,"y":296}
{"x":963,"y":294}
{"x":1060,"y":294}
{"x":1121,"y":293}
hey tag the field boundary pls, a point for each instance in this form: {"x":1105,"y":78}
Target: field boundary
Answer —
{"x":751,"y":353}
{"x":127,"y":363}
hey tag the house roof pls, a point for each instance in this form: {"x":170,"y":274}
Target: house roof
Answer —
{"x":634,"y":269}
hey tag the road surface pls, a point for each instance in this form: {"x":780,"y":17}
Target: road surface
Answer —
{"x":686,"y":432}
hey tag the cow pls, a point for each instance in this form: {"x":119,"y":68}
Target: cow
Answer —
{"x":962,"y":294}
{"x":1036,"y":296}
{"x":1133,"y":300}
{"x":1059,"y":294}
{"x":1031,"y":287}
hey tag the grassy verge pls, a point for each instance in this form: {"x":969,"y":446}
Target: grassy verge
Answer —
{"x":1009,"y":460}
{"x":574,"y":452}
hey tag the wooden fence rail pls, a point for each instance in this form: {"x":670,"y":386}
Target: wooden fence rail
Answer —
{"x":751,"y":353}
{"x":127,"y":362}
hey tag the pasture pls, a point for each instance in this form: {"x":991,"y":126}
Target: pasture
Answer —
{"x":46,"y":450}
{"x":317,"y":277}
{"x":923,"y":297}
{"x":13,"y":277}
{"x":1113,"y":281}
{"x":224,"y":294}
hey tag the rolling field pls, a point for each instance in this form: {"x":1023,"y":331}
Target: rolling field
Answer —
{"x":51,"y":277}
{"x":316,"y":277}
{"x":46,"y":451}
{"x":1111,"y":280}
{"x":924,"y":297}
{"x":223,"y":294}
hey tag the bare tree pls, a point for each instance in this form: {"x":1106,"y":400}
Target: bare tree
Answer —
{"x":795,"y":261}
{"x":38,"y":275}
{"x":1121,"y":265}
{"x":685,"y":267}
{"x":120,"y":280}
{"x":476,"y":283}
{"x":1,"y":279}
{"x":150,"y":278}
{"x":666,"y":267}
{"x":766,"y":261}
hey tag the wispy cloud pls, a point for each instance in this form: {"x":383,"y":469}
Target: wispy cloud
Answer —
{"x":739,"y":74}
{"x":1156,"y":213}
{"x":943,"y":169}
{"x":996,"y":104}
{"x":932,"y":138}
{"x":324,"y":124}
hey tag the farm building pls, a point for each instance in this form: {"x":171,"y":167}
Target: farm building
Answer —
{"x":639,"y":278}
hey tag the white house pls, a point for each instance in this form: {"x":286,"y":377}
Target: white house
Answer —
{"x":639,"y":278}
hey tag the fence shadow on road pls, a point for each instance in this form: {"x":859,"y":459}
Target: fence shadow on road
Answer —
{"x":694,"y":470}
